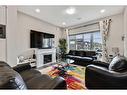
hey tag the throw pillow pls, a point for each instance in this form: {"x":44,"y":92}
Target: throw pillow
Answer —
{"x":119,"y":63}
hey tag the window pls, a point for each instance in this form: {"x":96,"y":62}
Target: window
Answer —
{"x":72,"y":42}
{"x":79,"y":42}
{"x":97,"y":41}
{"x":86,"y":41}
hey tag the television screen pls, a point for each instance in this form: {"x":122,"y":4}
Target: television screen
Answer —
{"x":40,"y":40}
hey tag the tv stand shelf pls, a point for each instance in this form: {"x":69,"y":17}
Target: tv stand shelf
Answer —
{"x":31,"y":61}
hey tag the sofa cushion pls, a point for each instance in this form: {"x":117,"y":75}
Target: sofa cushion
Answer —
{"x":22,"y":67}
{"x":80,"y":53}
{"x":39,"y":82}
{"x":10,"y":79}
{"x":29,"y":74}
{"x":119,"y":63}
{"x":90,"y":53}
{"x":2,"y":64}
{"x":72,"y":52}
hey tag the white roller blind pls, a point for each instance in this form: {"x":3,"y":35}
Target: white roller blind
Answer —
{"x":87,"y":28}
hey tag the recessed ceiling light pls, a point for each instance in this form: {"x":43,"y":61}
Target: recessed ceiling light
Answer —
{"x":70,"y":10}
{"x":102,"y":11}
{"x":37,"y":10}
{"x":63,"y":23}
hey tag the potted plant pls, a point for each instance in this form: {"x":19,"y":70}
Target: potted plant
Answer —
{"x":62,"y":47}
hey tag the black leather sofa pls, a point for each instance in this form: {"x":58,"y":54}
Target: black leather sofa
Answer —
{"x":82,"y":58}
{"x":107,"y":76}
{"x":24,"y":77}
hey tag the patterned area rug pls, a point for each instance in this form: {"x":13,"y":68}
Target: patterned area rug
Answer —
{"x":73,"y":74}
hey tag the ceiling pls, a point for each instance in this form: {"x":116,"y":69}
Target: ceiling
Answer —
{"x":56,"y":14}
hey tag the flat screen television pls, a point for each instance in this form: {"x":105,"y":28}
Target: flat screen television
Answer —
{"x":40,"y":40}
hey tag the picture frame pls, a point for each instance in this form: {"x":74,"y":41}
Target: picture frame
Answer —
{"x":2,"y":31}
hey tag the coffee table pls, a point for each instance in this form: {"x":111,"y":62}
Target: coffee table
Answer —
{"x":66,"y":62}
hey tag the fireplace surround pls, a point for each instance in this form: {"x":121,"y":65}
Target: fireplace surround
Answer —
{"x":45,"y":56}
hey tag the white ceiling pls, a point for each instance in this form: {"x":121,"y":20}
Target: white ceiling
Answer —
{"x":56,"y":14}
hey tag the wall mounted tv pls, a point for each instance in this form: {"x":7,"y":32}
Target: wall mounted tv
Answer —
{"x":41,"y":40}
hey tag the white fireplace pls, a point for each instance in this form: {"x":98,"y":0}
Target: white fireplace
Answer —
{"x":40,"y":53}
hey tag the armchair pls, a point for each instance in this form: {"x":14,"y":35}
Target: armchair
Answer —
{"x":113,"y":76}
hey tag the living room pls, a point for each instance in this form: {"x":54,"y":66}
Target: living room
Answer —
{"x":63,"y":47}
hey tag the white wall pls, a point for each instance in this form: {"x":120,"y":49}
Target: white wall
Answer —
{"x":27,"y":23}
{"x":2,"y":41}
{"x":115,"y":35}
{"x":11,"y":34}
{"x":3,"y":15}
{"x":125,"y":32}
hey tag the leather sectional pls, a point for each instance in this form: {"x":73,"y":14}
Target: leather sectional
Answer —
{"x":24,"y":77}
{"x":82,"y":58}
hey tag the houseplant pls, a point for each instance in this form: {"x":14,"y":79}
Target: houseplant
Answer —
{"x":62,"y":47}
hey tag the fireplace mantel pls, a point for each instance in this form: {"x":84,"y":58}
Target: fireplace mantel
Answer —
{"x":40,"y":55}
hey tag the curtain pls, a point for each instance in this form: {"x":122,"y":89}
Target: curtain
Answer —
{"x":104,"y":29}
{"x":67,"y":38}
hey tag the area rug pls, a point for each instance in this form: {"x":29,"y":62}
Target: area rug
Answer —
{"x":74,"y":76}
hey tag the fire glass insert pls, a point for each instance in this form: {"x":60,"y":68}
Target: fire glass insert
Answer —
{"x":47,"y":58}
